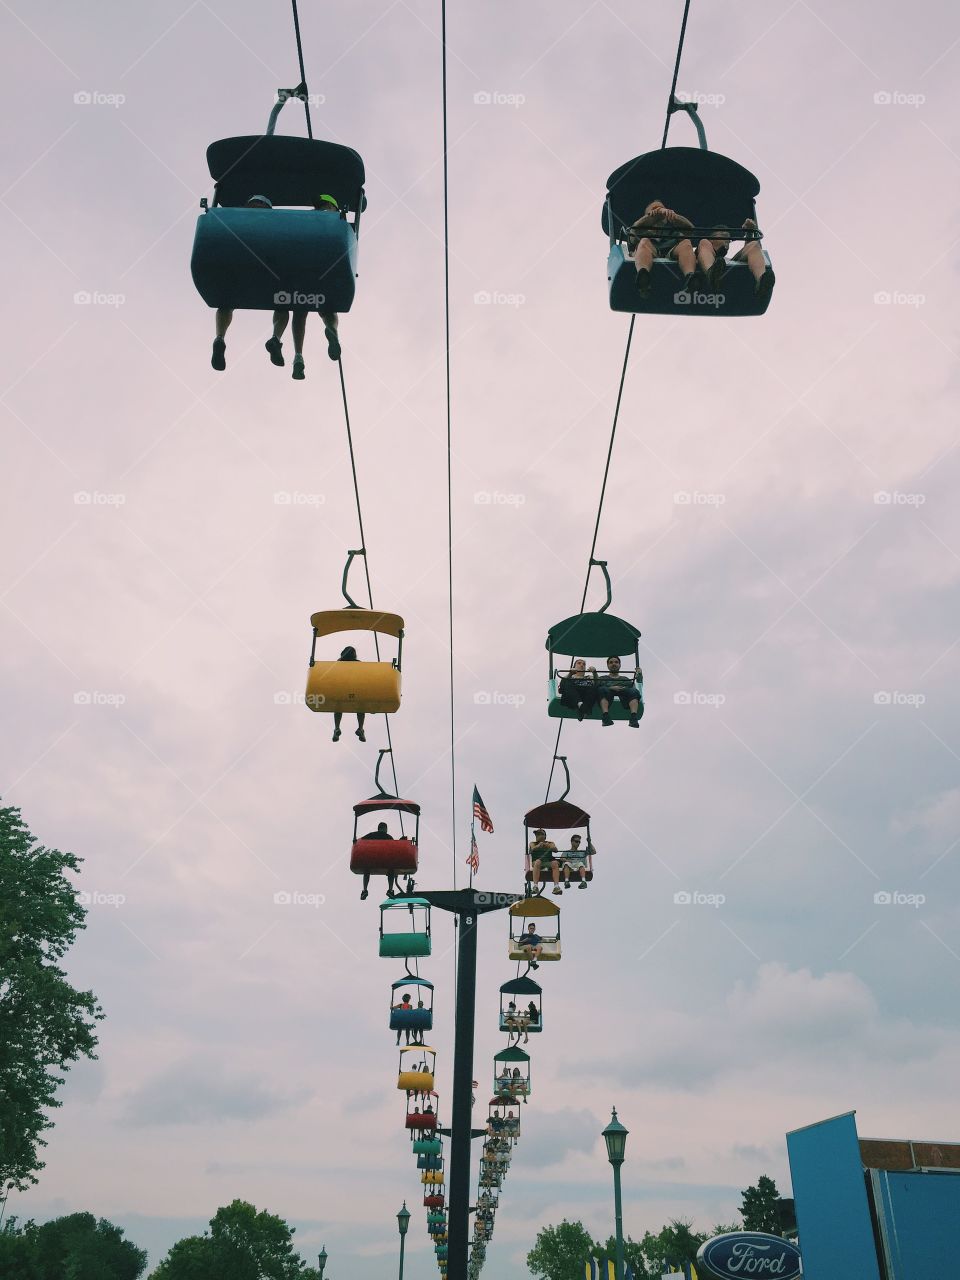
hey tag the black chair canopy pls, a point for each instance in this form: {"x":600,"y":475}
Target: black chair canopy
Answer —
{"x":285,"y":169}
{"x":706,"y":187}
{"x":593,"y":635}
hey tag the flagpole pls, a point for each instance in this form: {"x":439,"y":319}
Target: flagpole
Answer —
{"x":473,"y":845}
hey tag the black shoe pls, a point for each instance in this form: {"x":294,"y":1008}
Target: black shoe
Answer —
{"x":634,"y":722}
{"x":275,"y":348}
{"x":336,"y":735}
{"x":361,"y":735}
{"x":534,"y":964}
{"x":644,"y":281}
{"x":580,"y":711}
{"x":365,"y":893}
{"x":333,"y":341}
{"x":607,"y":721}
{"x":218,"y":359}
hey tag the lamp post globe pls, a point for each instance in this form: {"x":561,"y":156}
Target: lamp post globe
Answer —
{"x":322,"y":1259}
{"x":403,"y":1219}
{"x":615,"y":1136}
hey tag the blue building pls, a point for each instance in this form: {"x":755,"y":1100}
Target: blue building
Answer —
{"x":874,"y":1209}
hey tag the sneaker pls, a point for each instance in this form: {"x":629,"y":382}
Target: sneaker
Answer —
{"x":275,"y":348}
{"x":218,"y":359}
{"x":336,"y":735}
{"x":557,"y":890}
{"x":607,"y":721}
{"x":361,"y":735}
{"x":364,"y":894}
{"x":298,"y":370}
{"x":634,"y":722}
{"x":534,"y":964}
{"x":582,"y":884}
{"x":333,"y":341}
{"x":580,"y":711}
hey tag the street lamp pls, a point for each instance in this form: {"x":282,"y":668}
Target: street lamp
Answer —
{"x":403,"y":1221}
{"x":615,"y":1136}
{"x":323,"y":1261}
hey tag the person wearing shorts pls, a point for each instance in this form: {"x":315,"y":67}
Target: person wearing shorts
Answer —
{"x":541,"y":847}
{"x":575,"y":859}
{"x":613,"y":685}
{"x":667,"y":241}
{"x":531,"y":943}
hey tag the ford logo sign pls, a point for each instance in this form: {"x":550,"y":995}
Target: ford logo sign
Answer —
{"x":750,"y":1253}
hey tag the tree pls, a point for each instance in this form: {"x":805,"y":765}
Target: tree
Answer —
{"x":560,"y":1252}
{"x":759,"y":1207}
{"x":45,"y":1023}
{"x":76,"y":1247}
{"x":241,"y":1244}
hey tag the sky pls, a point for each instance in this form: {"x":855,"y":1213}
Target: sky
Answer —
{"x":779,"y":522}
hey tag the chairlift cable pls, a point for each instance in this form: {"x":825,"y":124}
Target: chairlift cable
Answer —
{"x":676,"y":72}
{"x":366,"y":567}
{"x":596,"y":526}
{"x":446,"y":307}
{"x":303,"y":74}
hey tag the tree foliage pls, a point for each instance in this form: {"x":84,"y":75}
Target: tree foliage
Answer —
{"x":242,"y":1244}
{"x":45,"y":1023}
{"x":560,"y":1252}
{"x":76,"y":1247}
{"x":759,"y":1207}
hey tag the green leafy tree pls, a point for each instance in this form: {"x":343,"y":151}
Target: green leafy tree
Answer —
{"x":45,"y":1023}
{"x":76,"y":1247}
{"x":560,"y":1252}
{"x":759,"y":1207}
{"x":242,"y":1244}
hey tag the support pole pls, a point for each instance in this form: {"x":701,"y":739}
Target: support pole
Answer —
{"x":468,"y":905}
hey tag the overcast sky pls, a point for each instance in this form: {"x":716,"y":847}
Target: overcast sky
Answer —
{"x":799,"y":753}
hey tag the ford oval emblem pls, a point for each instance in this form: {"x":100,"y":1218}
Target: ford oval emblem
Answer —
{"x":750,"y":1253}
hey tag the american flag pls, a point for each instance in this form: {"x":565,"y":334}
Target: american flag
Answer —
{"x":474,"y":859}
{"x":480,"y":811}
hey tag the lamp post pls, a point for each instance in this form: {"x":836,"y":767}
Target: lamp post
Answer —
{"x":322,"y":1259}
{"x":615,"y":1136}
{"x":403,"y":1221}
